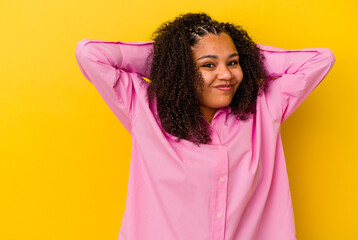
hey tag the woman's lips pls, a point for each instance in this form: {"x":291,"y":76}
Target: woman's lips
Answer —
{"x":224,"y":87}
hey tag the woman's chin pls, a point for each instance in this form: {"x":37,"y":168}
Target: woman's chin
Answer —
{"x":223,"y":104}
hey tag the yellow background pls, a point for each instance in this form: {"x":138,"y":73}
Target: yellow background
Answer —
{"x":65,"y":157}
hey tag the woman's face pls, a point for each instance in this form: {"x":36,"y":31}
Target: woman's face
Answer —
{"x":218,"y":62}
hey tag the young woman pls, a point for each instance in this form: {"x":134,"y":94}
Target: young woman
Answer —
{"x":207,"y":159}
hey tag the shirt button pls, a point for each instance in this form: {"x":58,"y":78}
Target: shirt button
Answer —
{"x":218,"y":215}
{"x":221,"y":179}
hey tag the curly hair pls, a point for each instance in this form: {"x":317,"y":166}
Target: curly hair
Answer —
{"x":175,"y":77}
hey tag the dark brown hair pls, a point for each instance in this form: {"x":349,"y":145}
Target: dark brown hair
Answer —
{"x":174,"y":75}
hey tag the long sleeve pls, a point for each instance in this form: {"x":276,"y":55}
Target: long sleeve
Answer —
{"x":298,"y":72}
{"x":115,"y":69}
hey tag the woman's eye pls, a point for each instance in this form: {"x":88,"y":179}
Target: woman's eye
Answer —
{"x":208,"y":65}
{"x":232,"y":63}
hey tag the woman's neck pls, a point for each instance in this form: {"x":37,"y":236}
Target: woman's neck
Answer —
{"x":208,"y":113}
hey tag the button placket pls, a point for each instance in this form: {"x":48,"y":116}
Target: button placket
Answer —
{"x":221,"y":192}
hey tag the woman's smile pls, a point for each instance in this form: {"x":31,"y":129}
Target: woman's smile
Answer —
{"x":225,"y":87}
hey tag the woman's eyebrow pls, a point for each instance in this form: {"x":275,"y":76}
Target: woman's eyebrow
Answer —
{"x":216,"y":57}
{"x":208,"y":56}
{"x":233,"y":55}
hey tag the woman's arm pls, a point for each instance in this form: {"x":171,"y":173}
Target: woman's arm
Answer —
{"x":115,"y":69}
{"x":299,"y":72}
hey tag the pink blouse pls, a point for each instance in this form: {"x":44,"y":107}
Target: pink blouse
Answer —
{"x":235,"y":188}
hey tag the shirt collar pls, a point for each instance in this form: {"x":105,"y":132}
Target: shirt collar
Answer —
{"x":226,"y":109}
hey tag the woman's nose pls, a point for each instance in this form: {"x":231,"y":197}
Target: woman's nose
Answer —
{"x":224,"y":73}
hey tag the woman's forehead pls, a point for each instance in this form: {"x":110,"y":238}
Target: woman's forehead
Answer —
{"x":211,"y":44}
